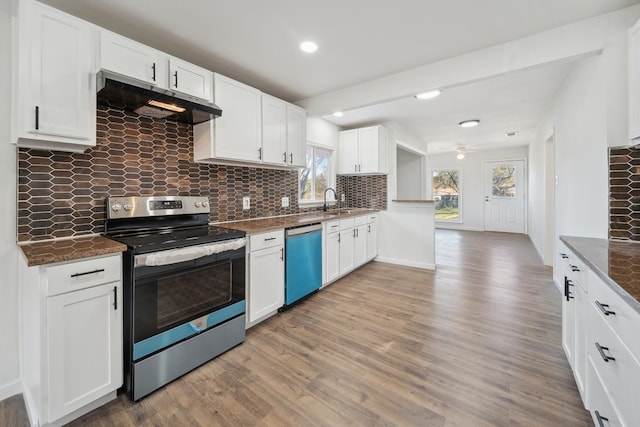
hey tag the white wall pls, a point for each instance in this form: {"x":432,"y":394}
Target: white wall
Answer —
{"x":9,"y":365}
{"x":322,"y":132}
{"x":471,"y":177}
{"x":409,"y":175}
{"x":398,"y":134}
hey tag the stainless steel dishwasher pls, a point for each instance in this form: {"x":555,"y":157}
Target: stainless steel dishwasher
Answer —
{"x":303,"y":265}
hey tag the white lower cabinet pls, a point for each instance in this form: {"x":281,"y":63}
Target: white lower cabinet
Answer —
{"x":601,"y":342}
{"x":72,"y":340}
{"x":347,"y":244}
{"x":265,"y":278}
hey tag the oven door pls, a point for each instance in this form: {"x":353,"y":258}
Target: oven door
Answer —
{"x":174,"y":301}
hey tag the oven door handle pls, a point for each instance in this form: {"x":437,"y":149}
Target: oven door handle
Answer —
{"x":175,"y":256}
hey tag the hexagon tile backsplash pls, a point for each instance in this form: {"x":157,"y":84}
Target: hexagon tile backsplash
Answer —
{"x":624,"y":193}
{"x":62,"y":194}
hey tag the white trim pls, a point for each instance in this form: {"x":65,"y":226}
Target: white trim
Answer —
{"x":10,"y":389}
{"x":410,"y":149}
{"x":422,"y":265}
{"x":451,"y":226}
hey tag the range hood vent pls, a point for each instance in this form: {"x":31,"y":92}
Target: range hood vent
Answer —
{"x":124,"y":93}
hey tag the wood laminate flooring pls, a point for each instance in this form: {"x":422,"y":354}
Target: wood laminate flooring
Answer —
{"x":475,"y":343}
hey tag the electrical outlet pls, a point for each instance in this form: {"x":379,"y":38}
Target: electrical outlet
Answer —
{"x":342,"y":198}
{"x":246,"y":203}
{"x":285,"y":202}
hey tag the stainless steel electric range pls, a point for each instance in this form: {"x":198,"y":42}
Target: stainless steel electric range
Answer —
{"x":184,"y":287}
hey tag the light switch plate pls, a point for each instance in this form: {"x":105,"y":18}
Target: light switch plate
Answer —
{"x":285,"y":202}
{"x":246,"y":203}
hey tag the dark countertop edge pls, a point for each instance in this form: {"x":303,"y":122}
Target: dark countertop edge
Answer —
{"x":39,"y":259}
{"x":315,"y":217}
{"x":626,"y":296}
{"x":412,"y":201}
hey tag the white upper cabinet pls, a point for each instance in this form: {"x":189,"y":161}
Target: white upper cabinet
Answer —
{"x":132,"y":59}
{"x":362,"y":151}
{"x":634,"y":83}
{"x":296,"y":135}
{"x":190,"y":79}
{"x":274,"y":130}
{"x":237,"y":135}
{"x":56,"y":88}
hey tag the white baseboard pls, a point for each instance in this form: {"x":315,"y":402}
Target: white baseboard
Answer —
{"x":10,"y":389}
{"x":406,"y":263}
{"x":457,"y":227}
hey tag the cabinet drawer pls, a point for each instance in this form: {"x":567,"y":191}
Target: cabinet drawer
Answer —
{"x":372,"y":218}
{"x":359,"y":220}
{"x":625,"y":322}
{"x":616,"y":367}
{"x":83,"y":274}
{"x":266,"y":240}
{"x":332,"y":226}
{"x":598,"y":401}
{"x":346,"y":223}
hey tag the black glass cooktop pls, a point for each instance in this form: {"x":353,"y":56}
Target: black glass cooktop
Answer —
{"x":145,"y":242}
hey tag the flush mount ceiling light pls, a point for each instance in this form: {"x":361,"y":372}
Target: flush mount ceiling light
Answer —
{"x":510,"y":134}
{"x":338,"y":114}
{"x":308,"y":46}
{"x":429,"y":95}
{"x":460,"y":153}
{"x":469,"y":123}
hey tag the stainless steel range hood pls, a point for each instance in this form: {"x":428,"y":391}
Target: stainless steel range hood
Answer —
{"x":124,"y":93}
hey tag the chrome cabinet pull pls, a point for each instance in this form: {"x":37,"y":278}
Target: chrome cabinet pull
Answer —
{"x":604,"y":308}
{"x":602,"y":350}
{"x":281,"y":254}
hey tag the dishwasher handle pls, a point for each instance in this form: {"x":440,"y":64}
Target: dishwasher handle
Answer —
{"x":303,"y":230}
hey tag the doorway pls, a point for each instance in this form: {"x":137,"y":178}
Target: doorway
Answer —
{"x":549,"y":199}
{"x":410,"y":173}
{"x":504,"y":196}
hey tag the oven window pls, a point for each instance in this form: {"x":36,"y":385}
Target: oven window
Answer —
{"x":181,"y":296}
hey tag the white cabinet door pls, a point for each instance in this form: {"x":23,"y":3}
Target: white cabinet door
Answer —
{"x":348,"y":152}
{"x":132,"y":59}
{"x":332,"y":257}
{"x":634,"y":81}
{"x":190,"y":79}
{"x":579,"y":348}
{"x":568,"y":320}
{"x":84,"y":346}
{"x":372,"y":241}
{"x":368,"y":149}
{"x":56,"y":81}
{"x":347,"y":244}
{"x":296,"y":135}
{"x":238,"y":133}
{"x":266,"y":282}
{"x":360,"y":246}
{"x":274,"y":130}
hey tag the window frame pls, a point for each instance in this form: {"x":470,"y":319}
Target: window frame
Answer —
{"x":459,"y":219}
{"x":331,"y":175}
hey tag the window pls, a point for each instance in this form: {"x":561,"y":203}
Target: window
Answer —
{"x":316,"y":176}
{"x":503,"y":181}
{"x":445,"y":186}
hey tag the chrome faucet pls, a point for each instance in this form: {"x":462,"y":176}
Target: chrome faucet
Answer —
{"x":335,"y":196}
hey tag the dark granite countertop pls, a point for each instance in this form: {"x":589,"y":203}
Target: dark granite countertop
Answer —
{"x":252,"y":226}
{"x":53,"y":251}
{"x":616,"y":263}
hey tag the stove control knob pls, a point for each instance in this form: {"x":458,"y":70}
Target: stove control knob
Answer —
{"x":128,"y":206}
{"x":205,"y":203}
{"x":116,"y":207}
{"x":198,"y":204}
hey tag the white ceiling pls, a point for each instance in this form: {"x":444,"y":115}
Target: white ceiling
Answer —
{"x":256,"y":42}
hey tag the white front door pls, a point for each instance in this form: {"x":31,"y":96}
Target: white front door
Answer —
{"x":504,"y":196}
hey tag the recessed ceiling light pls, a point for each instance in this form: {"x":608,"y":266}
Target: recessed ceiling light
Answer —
{"x":338,"y":114}
{"x":429,"y":95}
{"x":469,"y":123}
{"x":308,"y":46}
{"x":509,"y":134}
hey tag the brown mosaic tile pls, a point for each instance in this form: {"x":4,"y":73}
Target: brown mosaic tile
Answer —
{"x":624,"y":193}
{"x":363,"y":191}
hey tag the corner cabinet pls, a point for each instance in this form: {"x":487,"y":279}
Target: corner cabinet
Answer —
{"x":265,"y":275}
{"x":362,"y":151}
{"x":72,"y":340}
{"x":55,"y":96}
{"x":634,"y":83}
